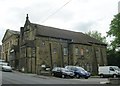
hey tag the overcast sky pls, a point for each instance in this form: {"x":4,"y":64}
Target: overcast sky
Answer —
{"x":78,"y":15}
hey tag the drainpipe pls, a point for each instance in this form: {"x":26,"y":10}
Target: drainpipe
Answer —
{"x":51,"y":56}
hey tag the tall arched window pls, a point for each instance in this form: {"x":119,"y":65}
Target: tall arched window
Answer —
{"x":82,"y":51}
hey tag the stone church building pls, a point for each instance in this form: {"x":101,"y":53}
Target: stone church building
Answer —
{"x":41,"y":48}
{"x":10,"y":47}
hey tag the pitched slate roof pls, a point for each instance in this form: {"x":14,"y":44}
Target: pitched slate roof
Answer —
{"x":12,"y":32}
{"x":75,"y":37}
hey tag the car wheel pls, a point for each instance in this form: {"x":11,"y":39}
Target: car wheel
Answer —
{"x":114,"y":76}
{"x":72,"y":77}
{"x":101,"y":76}
{"x":77,"y":76}
{"x":86,"y":77}
{"x":63,"y":76}
{"x":53,"y":74}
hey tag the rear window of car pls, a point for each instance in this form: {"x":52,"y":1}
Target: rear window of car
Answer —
{"x":64,"y":69}
{"x":56,"y":69}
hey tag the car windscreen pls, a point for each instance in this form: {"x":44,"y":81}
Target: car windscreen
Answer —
{"x":81,"y":69}
{"x":117,"y":68}
{"x":65,"y":70}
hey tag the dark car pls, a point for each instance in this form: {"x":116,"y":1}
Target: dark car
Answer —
{"x":62,"y":72}
{"x":79,"y":71}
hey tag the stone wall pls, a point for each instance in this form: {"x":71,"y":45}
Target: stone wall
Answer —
{"x":51,"y":52}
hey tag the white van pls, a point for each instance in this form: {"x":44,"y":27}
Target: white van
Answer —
{"x":109,"y":71}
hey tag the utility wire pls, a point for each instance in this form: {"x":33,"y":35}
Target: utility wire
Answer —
{"x":56,"y":11}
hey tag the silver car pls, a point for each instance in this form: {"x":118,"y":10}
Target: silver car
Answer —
{"x":5,"y":67}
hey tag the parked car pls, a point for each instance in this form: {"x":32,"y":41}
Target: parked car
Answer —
{"x":79,"y":72}
{"x":5,"y":67}
{"x":109,"y":71}
{"x":2,"y":60}
{"x":62,"y":72}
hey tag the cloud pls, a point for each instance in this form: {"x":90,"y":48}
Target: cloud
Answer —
{"x":78,"y":15}
{"x":85,"y":26}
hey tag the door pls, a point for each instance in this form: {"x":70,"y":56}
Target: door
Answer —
{"x":111,"y":71}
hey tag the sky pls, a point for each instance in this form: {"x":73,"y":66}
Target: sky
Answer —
{"x":77,"y":15}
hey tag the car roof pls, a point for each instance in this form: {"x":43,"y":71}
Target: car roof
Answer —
{"x":74,"y":66}
{"x":2,"y":60}
{"x":57,"y":67}
{"x":60,"y":68}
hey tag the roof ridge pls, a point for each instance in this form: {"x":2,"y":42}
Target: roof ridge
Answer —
{"x":57,"y":28}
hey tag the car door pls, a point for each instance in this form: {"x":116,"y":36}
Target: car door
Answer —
{"x":59,"y":72}
{"x":111,"y":71}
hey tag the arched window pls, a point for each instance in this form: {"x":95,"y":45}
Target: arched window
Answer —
{"x":65,"y":50}
{"x":82,"y":51}
{"x":76,"y":51}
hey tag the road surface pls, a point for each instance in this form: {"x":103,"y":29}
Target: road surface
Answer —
{"x":22,"y":78}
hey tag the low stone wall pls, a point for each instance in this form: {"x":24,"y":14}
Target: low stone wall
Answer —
{"x":115,"y":81}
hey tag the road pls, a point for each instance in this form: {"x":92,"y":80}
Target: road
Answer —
{"x":21,"y":78}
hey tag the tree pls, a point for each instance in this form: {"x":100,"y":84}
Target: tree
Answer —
{"x":113,"y":56}
{"x":115,"y":31}
{"x":97,"y":35}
